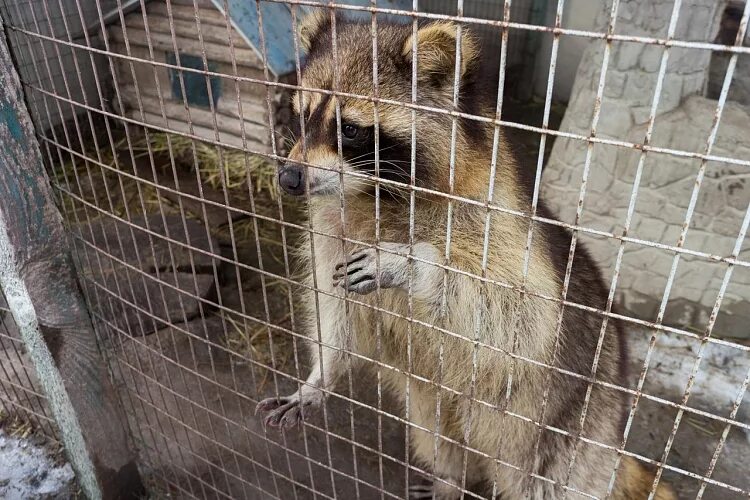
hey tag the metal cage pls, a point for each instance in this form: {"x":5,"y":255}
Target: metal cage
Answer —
{"x":160,"y":123}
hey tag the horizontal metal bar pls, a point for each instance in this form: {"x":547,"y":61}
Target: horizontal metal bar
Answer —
{"x":379,"y":100}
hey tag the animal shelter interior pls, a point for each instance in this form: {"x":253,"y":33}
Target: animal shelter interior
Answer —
{"x":382,"y":249}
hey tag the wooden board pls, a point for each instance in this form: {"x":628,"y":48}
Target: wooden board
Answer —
{"x":164,"y":42}
{"x":186,"y":32}
{"x":206,"y":132}
{"x":226,"y":117}
{"x":144,"y":73}
{"x":139,"y":303}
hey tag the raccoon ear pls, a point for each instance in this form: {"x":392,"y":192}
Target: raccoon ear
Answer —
{"x":312,"y":25}
{"x":436,"y":51}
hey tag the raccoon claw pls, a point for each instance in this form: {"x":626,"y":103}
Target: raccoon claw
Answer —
{"x":289,"y":411}
{"x":421,"y":491}
{"x":358,"y":273}
{"x":446,"y":489}
{"x":283,"y":413}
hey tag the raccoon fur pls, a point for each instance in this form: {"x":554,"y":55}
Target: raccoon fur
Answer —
{"x":473,"y":378}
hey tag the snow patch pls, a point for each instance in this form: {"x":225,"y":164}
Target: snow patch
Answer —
{"x":27,"y":471}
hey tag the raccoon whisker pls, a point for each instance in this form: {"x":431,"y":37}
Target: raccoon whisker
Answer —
{"x":288,"y":135}
{"x":384,"y":161}
{"x":398,"y":172}
{"x":401,"y":192}
{"x":383,"y":166}
{"x":407,"y":162}
{"x":370,"y":152}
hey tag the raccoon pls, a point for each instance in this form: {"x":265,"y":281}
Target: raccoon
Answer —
{"x":494,"y":380}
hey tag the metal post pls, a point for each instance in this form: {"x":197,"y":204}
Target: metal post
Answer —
{"x":42,"y":292}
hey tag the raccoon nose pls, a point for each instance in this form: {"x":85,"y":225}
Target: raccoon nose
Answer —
{"x":292,"y":178}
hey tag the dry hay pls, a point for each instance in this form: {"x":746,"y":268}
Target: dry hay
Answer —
{"x":263,"y":345}
{"x":107,"y":179}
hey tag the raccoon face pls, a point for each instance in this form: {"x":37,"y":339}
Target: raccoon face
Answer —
{"x":347,"y":125}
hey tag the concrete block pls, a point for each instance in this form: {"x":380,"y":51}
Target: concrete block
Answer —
{"x":639,"y":305}
{"x":733,"y":320}
{"x":692,"y":83}
{"x":688,"y":293}
{"x":699,"y":23}
{"x":737,"y":192}
{"x":639,"y":90}
{"x":614,"y":87}
{"x":662,"y":170}
{"x":650,"y":286}
{"x":728,"y":226}
{"x":650,"y":230}
{"x":615,"y":119}
{"x":650,"y":59}
{"x":682,"y":313}
{"x":626,"y":55}
{"x":695,"y":273}
{"x":671,"y":94}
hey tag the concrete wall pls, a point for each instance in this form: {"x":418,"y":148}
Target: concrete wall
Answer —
{"x":683,"y":122}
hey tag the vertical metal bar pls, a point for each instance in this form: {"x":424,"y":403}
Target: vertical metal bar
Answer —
{"x":681,"y":241}
{"x":52,"y":318}
{"x":313,"y":261}
{"x":628,"y":219}
{"x":342,"y":200}
{"x":516,"y":314}
{"x":378,"y":296}
{"x":493,"y":171}
{"x":410,"y":262}
{"x":274,"y":149}
{"x":298,"y":74}
{"x":571,"y":252}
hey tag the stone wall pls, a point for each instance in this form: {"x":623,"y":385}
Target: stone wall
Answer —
{"x":684,"y":118}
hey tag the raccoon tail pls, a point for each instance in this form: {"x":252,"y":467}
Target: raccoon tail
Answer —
{"x":635,"y":481}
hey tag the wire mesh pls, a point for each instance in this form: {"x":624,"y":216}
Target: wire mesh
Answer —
{"x":186,"y":249}
{"x":22,"y":399}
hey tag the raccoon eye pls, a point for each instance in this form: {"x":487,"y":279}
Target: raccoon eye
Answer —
{"x":350,"y":131}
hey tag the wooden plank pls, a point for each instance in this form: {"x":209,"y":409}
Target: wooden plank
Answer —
{"x":145,"y":76}
{"x":203,"y":117}
{"x":204,"y":131}
{"x":187,"y":267}
{"x":254,"y":113}
{"x":186,"y":33}
{"x":163,"y":42}
{"x":202,"y":4}
{"x":187,"y":13}
{"x":44,"y":296}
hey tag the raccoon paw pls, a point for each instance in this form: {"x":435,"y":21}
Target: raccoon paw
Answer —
{"x":286,"y":412}
{"x":358,"y":273}
{"x":438,"y":491}
{"x":420,"y":491}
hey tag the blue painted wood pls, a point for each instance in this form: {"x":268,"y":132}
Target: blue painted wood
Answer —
{"x":277,"y":26}
{"x":195,"y":83}
{"x":381,"y":4}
